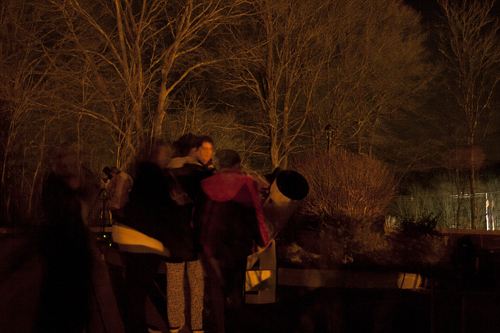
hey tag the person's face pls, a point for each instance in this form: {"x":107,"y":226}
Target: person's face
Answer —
{"x":205,"y":152}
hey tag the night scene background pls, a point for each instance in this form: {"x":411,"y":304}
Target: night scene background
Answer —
{"x":389,"y":108}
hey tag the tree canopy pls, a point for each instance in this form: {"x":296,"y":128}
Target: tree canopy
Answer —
{"x":264,"y":77}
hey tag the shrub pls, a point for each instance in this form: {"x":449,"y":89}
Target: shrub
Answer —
{"x":346,"y":184}
{"x":417,"y":242}
{"x":348,"y":197}
{"x":415,"y":227}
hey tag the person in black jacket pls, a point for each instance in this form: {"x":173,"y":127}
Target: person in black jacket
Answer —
{"x":153,"y":213}
{"x":189,"y":168}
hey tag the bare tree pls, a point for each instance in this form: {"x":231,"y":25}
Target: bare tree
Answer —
{"x":126,"y":54}
{"x":379,"y":75}
{"x":98,"y":73}
{"x":276,"y":60}
{"x":308,"y":64}
{"x":469,"y":43}
{"x":23,"y":88}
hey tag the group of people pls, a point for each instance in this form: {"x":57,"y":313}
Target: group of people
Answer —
{"x":207,"y":219}
{"x":201,"y":220}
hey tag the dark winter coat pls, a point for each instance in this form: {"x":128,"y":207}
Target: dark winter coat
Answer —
{"x":188,"y":174}
{"x":152,"y":211}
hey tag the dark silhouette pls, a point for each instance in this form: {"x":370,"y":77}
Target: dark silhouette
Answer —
{"x":464,"y":261}
{"x":153,"y":214}
{"x":67,"y":281}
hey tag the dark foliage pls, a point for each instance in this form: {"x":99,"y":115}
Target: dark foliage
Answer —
{"x":415,"y":227}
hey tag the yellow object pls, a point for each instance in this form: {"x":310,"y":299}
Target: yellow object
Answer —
{"x":131,"y":240}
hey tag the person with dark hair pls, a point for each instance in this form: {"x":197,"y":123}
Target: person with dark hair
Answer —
{"x":230,"y":217}
{"x":204,"y":151}
{"x":189,"y":171}
{"x":184,"y":145}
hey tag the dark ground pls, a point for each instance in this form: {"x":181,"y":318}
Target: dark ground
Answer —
{"x":298,"y":309}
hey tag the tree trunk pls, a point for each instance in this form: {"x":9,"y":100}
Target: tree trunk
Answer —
{"x":472,"y":193}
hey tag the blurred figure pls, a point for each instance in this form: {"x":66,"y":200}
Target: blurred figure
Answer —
{"x":67,"y":282}
{"x":118,"y":190}
{"x":152,"y":215}
{"x":189,"y":170}
{"x":232,"y":224}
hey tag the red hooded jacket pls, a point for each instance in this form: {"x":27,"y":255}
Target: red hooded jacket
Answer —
{"x":230,"y":217}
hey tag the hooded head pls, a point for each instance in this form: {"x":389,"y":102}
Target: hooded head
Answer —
{"x":228,"y":158}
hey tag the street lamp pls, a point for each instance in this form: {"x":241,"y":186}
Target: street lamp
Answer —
{"x":329,"y":134}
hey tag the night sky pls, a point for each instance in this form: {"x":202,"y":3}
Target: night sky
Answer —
{"x":429,"y":9}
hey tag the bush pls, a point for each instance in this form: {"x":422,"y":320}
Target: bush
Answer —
{"x":345,"y":184}
{"x":415,"y":227}
{"x":348,"y":197}
{"x":417,"y":243}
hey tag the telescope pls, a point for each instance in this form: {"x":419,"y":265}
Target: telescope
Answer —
{"x":286,"y":192}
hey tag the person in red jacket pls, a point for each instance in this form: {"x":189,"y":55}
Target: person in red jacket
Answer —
{"x":229,"y":216}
